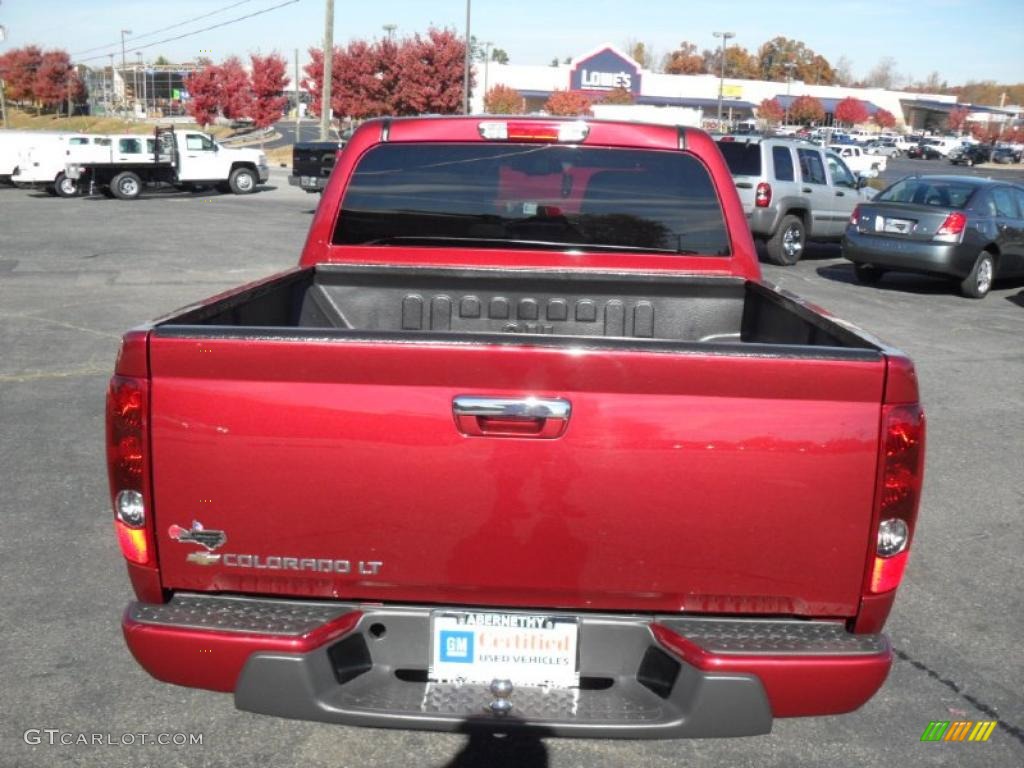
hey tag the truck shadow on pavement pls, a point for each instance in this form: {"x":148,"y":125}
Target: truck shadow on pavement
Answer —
{"x":514,"y":750}
{"x":1018,"y":299}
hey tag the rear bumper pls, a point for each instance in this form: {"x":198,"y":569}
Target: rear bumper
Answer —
{"x":641,"y":676}
{"x":946,"y":259}
{"x":308,"y":183}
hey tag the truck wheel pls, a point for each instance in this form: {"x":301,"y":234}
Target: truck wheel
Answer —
{"x":66,"y":187}
{"x":977,"y":284}
{"x":867,"y":274}
{"x":786,"y":246}
{"x":243,"y":181}
{"x":969,"y":162}
{"x":126,"y":186}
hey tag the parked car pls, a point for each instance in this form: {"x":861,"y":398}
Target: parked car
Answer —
{"x":1004,"y":155}
{"x":970,"y":154}
{"x":924,"y":149}
{"x":886,"y":147}
{"x":964,"y":227}
{"x":792,"y":192}
{"x":523,"y":442}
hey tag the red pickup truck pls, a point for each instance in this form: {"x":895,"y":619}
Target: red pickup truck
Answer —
{"x":524,"y":442}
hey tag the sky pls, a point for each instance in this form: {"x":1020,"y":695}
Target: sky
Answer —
{"x":960,"y":39}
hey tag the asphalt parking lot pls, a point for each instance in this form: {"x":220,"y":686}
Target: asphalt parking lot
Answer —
{"x":74,"y":274}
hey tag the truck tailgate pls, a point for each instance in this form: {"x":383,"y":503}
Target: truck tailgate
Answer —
{"x":683,"y":481}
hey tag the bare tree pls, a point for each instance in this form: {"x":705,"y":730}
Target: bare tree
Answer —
{"x":844,"y":71}
{"x":883,"y":74}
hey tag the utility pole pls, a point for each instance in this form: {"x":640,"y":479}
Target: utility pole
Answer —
{"x":142,"y":66}
{"x":124,"y":64}
{"x":721,"y":76}
{"x":110,"y":94}
{"x":327,"y":91}
{"x":465,"y":66}
{"x":298,"y":98}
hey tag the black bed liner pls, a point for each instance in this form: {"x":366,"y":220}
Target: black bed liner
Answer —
{"x":658,"y":311}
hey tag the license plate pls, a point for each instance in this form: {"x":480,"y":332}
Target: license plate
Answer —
{"x":480,"y":647}
{"x":896,"y":226}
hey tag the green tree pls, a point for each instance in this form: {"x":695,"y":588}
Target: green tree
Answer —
{"x":499,"y":55}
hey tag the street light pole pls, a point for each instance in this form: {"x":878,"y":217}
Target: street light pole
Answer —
{"x":465,"y":66}
{"x":389,"y":30}
{"x":487,"y":62}
{"x":327,"y":90}
{"x":789,"y":66}
{"x":721,"y":75}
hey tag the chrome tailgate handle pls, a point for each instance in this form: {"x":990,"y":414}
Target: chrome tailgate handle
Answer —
{"x":536,"y":417}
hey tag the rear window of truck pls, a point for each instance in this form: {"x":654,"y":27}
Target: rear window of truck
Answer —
{"x":525,"y":195}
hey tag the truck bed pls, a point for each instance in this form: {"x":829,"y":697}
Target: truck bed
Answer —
{"x":651,"y":311}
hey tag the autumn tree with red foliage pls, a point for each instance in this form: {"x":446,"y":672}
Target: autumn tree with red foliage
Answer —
{"x":957,"y":118}
{"x":851,"y":111}
{"x":431,"y":70}
{"x":204,"y":93}
{"x":236,"y":94}
{"x":268,"y":82}
{"x":18,"y":68}
{"x":387,"y":77}
{"x":771,"y":111}
{"x":503,"y":100}
{"x":806,"y":109}
{"x":883,"y":118}
{"x":567,"y":103}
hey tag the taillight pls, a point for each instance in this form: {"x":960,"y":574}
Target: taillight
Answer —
{"x":855,"y":217}
{"x":534,"y":130}
{"x":763,"y":195}
{"x":898,"y":494}
{"x":128,"y":464}
{"x":952,"y":228}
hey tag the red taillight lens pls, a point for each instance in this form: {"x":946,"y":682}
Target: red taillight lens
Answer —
{"x":763,"y":195}
{"x":127,"y":465}
{"x":953,"y":226}
{"x":855,"y":217}
{"x":899,"y":492}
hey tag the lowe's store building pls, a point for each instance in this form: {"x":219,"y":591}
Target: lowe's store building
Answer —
{"x":693,"y":99}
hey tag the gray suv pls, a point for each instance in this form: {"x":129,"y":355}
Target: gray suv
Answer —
{"x":792,"y":191}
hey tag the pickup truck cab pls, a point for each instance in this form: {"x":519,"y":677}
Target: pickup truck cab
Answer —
{"x":186,"y":159}
{"x":859,"y":161}
{"x":524,"y":441}
{"x":792,"y":192}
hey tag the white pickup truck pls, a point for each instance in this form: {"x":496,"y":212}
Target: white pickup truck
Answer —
{"x":186,"y":159}
{"x":859,"y":161}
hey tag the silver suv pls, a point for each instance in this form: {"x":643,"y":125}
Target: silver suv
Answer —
{"x":792,"y":191}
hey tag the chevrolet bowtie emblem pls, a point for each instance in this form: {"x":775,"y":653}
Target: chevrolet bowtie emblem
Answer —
{"x":200,"y":557}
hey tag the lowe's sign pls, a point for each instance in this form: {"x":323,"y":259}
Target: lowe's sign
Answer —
{"x":604,"y":71}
